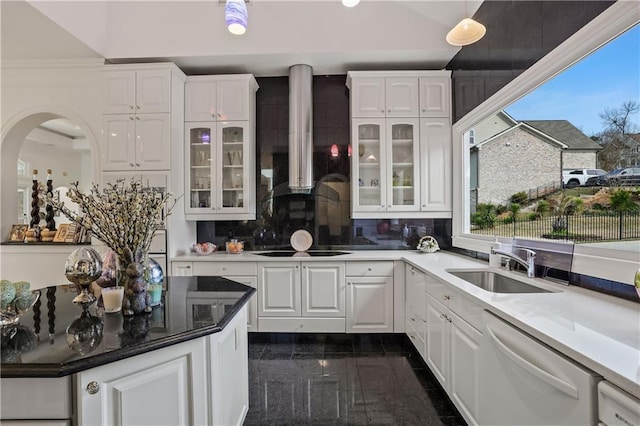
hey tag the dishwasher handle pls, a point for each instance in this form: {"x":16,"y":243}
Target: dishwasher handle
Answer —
{"x":536,"y":371}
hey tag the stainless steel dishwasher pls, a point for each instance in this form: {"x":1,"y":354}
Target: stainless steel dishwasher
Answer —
{"x":524,"y":382}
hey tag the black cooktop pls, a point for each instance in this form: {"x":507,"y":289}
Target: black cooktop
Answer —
{"x":283,"y":253}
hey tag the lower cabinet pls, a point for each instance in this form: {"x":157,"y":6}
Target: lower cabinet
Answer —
{"x":370,"y":305}
{"x":453,"y":355}
{"x":165,"y":386}
{"x":301,"y":296}
{"x":199,"y":382}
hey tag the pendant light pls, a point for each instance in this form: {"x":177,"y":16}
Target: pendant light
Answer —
{"x":466,"y":31}
{"x":235,"y":14}
{"x":350,"y":3}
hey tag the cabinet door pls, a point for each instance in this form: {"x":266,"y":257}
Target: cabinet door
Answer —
{"x":436,"y":161}
{"x":252,"y":306}
{"x":232,"y":99}
{"x":153,"y":91}
{"x":369,"y":304}
{"x":200,"y":101}
{"x":119,"y":92}
{"x":464,"y":380}
{"x":438,"y":340}
{"x":401,"y":97}
{"x":153,"y":141}
{"x":402,"y":171}
{"x":415,"y":294}
{"x":165,"y":386}
{"x":119,"y":148}
{"x":229,"y":373}
{"x":200,"y":158}
{"x":279,"y":289}
{"x":368,"y":97}
{"x":368,"y":170}
{"x":323,"y":289}
{"x":232,"y":168}
{"x":435,"y":97}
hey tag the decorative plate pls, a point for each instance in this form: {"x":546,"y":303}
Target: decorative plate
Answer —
{"x":301,"y":240}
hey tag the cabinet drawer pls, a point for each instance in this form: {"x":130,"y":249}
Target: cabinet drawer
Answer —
{"x":224,"y":268}
{"x":417,"y":339}
{"x":370,"y":269}
{"x":419,"y":324}
{"x":302,"y":325}
{"x":439,"y":290}
{"x":181,"y":269}
{"x":467,"y":310}
{"x":36,"y":398}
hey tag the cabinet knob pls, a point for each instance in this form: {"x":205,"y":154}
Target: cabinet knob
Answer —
{"x":131,"y":118}
{"x":186,"y":266}
{"x":131,"y":165}
{"x":224,"y":268}
{"x":304,"y":267}
{"x":413,"y":271}
{"x":369,"y":269}
{"x":382,"y":111}
{"x":93,"y":387}
{"x":137,"y":106}
{"x":388,"y":110}
{"x":382,"y":206}
{"x":424,"y":110}
{"x":389,"y":206}
{"x":131,"y":107}
{"x":412,"y":319}
{"x":349,"y":283}
{"x":446,"y":297}
{"x":296,"y":266}
{"x":137,"y":164}
{"x":137,"y":118}
{"x":424,"y":205}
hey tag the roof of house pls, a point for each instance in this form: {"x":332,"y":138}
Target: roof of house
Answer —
{"x":525,"y":127}
{"x":566,"y":132}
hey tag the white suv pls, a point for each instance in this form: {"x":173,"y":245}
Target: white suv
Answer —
{"x":578,"y":177}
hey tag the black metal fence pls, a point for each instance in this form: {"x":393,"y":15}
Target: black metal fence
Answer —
{"x":591,"y":227}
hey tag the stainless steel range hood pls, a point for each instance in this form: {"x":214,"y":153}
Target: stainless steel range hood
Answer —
{"x":300,"y":128}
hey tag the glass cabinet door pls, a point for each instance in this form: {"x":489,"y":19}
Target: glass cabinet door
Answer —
{"x":368,"y":165}
{"x":200,"y":179}
{"x":402,"y":154}
{"x":232,"y":175}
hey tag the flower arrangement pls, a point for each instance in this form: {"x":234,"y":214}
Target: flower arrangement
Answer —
{"x":124,"y":215}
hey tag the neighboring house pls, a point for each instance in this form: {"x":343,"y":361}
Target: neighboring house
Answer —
{"x":630,"y":156}
{"x":581,"y":152}
{"x":535,"y":153}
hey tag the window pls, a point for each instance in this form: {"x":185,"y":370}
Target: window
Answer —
{"x":527,"y":159}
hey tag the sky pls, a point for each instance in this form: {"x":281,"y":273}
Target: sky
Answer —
{"x":605,"y":79}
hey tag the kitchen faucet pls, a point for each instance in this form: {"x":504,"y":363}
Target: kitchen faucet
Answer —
{"x":528,"y":263}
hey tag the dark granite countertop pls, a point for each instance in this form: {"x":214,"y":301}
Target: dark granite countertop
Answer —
{"x":192,"y":307}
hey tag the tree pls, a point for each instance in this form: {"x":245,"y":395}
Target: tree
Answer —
{"x":615,"y":138}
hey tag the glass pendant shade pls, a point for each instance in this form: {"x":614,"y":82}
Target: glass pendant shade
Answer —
{"x":350,"y":3}
{"x":235,"y":14}
{"x":466,"y":32}
{"x":334,"y":150}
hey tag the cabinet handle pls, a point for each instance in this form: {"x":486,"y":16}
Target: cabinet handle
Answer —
{"x":137,"y":118}
{"x":184,"y":267}
{"x":131,"y":165}
{"x":388,"y":110}
{"x":137,"y":106}
{"x":446,"y":297}
{"x":137,"y":164}
{"x":296,"y":266}
{"x":349,"y":283}
{"x":424,"y":110}
{"x":304,"y":267}
{"x":413,"y":271}
{"x":93,"y":387}
{"x":131,"y":118}
{"x":131,"y":107}
{"x":424,"y":205}
{"x":412,"y":319}
{"x":224,"y":268}
{"x":412,"y":336}
{"x":382,"y":111}
{"x":389,"y":206}
{"x":369,"y":269}
{"x":382,"y":206}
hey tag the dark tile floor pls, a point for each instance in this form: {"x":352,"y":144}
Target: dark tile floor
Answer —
{"x":342,"y":379}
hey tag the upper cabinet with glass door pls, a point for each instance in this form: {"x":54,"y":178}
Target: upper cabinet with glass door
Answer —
{"x":220,"y":153}
{"x":396,"y":172}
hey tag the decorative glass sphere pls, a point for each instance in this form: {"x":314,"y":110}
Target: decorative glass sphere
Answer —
{"x":84,"y":334}
{"x":153,"y":272}
{"x":83,"y":266}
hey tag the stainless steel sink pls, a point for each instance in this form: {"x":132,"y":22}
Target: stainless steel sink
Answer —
{"x":496,"y":282}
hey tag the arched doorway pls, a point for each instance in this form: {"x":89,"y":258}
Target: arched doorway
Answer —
{"x":14,"y":133}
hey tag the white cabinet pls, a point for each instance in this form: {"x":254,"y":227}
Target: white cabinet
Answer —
{"x":229,"y":373}
{"x":136,"y":142}
{"x":220,"y":98}
{"x":170,"y":382}
{"x":415,"y":308}
{"x":370,"y":297}
{"x":301,"y":296}
{"x":385,"y":172}
{"x":137,"y":91}
{"x":435,"y":97}
{"x":220,"y":147}
{"x":453,"y":346}
{"x":142,"y":109}
{"x":220,"y":171}
{"x":384,"y":97}
{"x":435,"y":165}
{"x":401,"y":138}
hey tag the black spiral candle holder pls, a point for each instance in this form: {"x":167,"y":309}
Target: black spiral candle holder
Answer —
{"x":35,"y":202}
{"x":49,"y":217}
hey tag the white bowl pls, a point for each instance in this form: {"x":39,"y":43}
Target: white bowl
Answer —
{"x":204,"y":249}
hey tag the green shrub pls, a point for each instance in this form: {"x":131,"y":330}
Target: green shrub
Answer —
{"x":519,"y":198}
{"x":485,"y":216}
{"x":621,"y":201}
{"x":501,"y":209}
{"x":532,"y":216}
{"x":542,"y":207}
